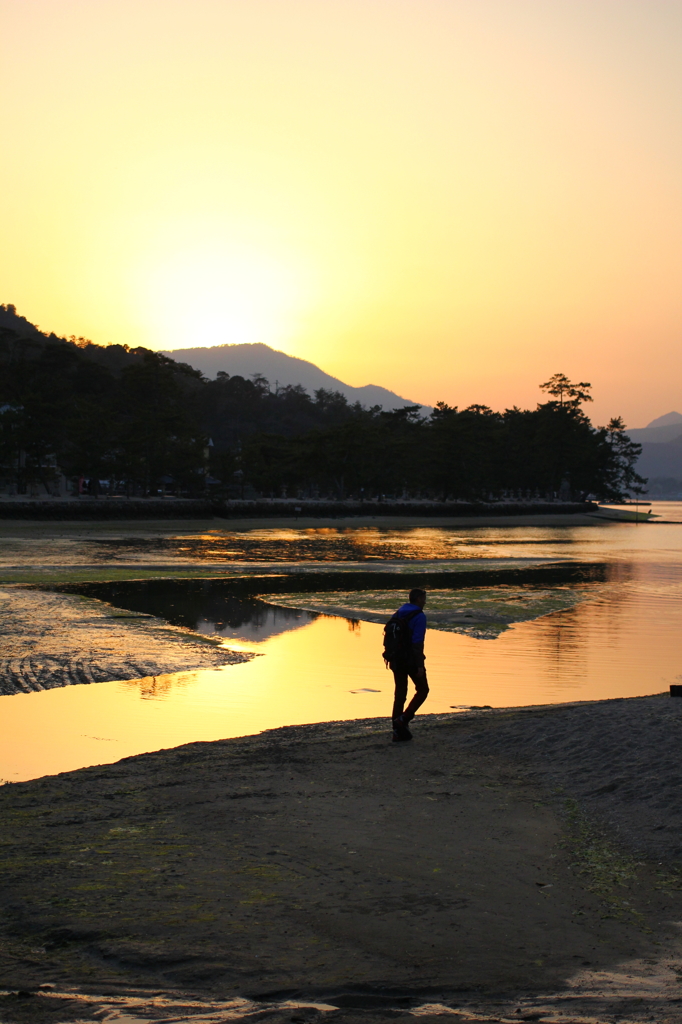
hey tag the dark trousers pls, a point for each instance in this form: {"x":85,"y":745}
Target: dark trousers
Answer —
{"x":402,"y":671}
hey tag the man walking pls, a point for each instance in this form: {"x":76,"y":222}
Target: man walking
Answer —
{"x":404,"y":652}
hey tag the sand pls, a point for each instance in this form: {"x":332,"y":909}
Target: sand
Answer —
{"x":619,"y":758}
{"x":490,"y":869}
{"x":51,"y":639}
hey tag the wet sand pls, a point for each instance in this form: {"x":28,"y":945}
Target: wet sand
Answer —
{"x":504,"y":865}
{"x":51,"y":640}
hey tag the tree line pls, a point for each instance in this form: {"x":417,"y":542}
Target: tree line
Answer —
{"x":147,"y":423}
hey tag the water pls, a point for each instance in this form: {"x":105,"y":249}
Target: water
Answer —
{"x":622,"y":640}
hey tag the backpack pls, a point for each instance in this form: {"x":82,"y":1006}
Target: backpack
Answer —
{"x":398,"y":637}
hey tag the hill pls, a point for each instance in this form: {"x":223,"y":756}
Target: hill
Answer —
{"x":138,"y":423}
{"x":12,"y":321}
{"x":238,"y":360}
{"x":661,"y":458}
{"x":283,"y":370}
{"x":670,"y":419}
{"x":659,"y":431}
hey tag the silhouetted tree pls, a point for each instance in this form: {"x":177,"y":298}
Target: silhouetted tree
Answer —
{"x":559,"y":386}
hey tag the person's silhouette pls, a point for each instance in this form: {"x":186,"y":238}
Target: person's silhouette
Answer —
{"x":408,"y":663}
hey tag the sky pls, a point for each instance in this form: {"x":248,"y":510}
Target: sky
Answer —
{"x":454,"y":199}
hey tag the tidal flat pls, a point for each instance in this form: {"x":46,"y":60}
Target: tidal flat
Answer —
{"x":71,"y":611}
{"x":481,"y":612}
{"x":51,"y":639}
{"x":513,"y":863}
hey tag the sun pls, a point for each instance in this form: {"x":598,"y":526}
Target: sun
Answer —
{"x":217,"y":294}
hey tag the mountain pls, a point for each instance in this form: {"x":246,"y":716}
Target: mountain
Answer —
{"x":659,"y":431}
{"x":280,"y":369}
{"x":670,"y":419}
{"x":238,"y":360}
{"x":661,"y":459}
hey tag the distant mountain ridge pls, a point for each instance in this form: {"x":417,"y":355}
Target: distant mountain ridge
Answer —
{"x":246,"y":360}
{"x":661,"y":460}
{"x":280,"y":369}
{"x":659,"y":431}
{"x":661,"y":441}
{"x":670,"y":419}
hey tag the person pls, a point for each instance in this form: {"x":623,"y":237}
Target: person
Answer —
{"x":410,"y":664}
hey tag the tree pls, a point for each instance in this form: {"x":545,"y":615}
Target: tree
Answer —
{"x":621,"y":477}
{"x":138,"y":417}
{"x":559,"y":386}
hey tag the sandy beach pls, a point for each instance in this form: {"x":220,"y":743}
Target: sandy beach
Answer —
{"x":519,"y":864}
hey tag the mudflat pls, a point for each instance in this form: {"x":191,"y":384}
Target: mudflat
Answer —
{"x":51,"y":639}
{"x":502,"y":865}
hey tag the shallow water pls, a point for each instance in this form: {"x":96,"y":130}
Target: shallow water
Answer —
{"x":142,"y":543}
{"x":622,"y":640}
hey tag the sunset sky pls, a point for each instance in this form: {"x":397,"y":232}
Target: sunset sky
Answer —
{"x":451,"y":198}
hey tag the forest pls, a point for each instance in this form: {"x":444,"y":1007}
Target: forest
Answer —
{"x":137,"y":423}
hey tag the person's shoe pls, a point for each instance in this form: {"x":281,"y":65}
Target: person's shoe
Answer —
{"x":400,"y":737}
{"x":400,"y":731}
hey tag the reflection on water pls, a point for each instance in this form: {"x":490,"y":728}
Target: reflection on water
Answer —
{"x":316,"y":544}
{"x":268,"y":546}
{"x":252,"y":620}
{"x":331,"y":669}
{"x":621,"y":641}
{"x":206,"y":607}
{"x":145,"y":543}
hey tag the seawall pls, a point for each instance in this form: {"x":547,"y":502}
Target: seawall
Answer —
{"x":98,"y":509}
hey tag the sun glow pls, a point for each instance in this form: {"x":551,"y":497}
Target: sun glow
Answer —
{"x":214,"y":294}
{"x":451,"y":198}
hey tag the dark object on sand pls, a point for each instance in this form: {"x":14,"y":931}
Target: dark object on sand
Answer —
{"x":676,"y":690}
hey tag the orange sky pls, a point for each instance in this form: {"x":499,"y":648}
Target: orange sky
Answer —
{"x":451,"y":198}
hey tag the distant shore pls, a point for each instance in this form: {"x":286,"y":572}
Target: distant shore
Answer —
{"x":65,"y":527}
{"x":287,"y":509}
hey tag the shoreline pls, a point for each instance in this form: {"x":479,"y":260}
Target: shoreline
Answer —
{"x":408,"y":522}
{"x":64,"y":528}
{"x":116,"y":508}
{"x":490,"y":866}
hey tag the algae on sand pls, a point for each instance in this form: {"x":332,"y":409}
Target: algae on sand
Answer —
{"x":481,"y":612}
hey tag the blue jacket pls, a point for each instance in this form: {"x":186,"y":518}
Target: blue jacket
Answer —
{"x":417,"y":624}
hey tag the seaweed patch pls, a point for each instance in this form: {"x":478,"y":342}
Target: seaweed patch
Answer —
{"x":481,"y":612}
